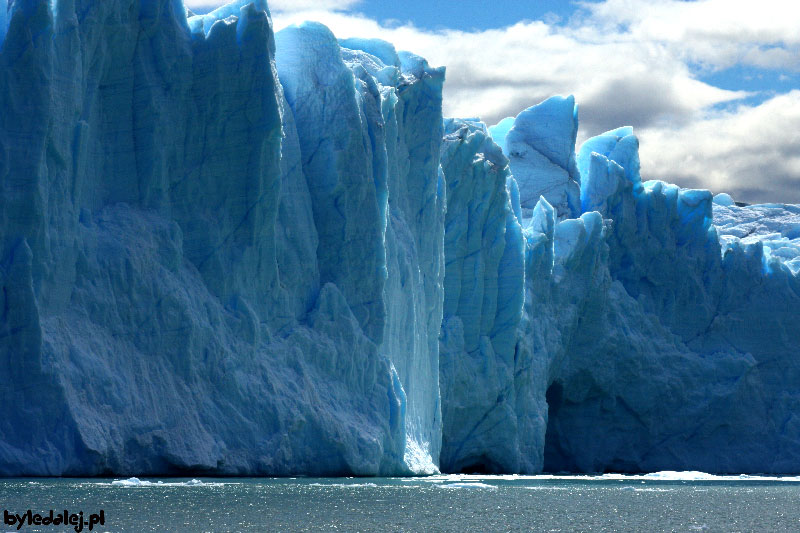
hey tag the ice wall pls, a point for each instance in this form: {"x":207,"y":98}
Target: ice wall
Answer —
{"x":483,"y":284}
{"x":372,"y":169}
{"x":683,"y":352}
{"x":206,"y":268}
{"x":649,"y":338}
{"x":232,"y":252}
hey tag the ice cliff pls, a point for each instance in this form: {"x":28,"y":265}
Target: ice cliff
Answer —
{"x":230,"y":251}
{"x":205,"y":268}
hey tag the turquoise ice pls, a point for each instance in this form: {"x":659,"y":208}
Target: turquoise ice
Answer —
{"x":229,"y":251}
{"x":207,"y":267}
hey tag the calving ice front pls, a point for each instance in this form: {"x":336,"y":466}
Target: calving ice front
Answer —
{"x":228,"y":251}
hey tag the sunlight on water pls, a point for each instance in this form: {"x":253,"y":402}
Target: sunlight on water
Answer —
{"x":663,"y":501}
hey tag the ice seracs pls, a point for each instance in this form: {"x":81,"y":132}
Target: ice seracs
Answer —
{"x":205,"y":266}
{"x":540,"y":146}
{"x":484,"y":279}
{"x":227,"y":251}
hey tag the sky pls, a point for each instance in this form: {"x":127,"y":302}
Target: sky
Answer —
{"x":711,"y":87}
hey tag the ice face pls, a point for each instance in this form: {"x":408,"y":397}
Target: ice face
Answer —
{"x":5,"y":18}
{"x":229,"y":251}
{"x":540,"y":146}
{"x":665,"y":366}
{"x":634,"y":350}
{"x":499,"y":132}
{"x":376,"y":195}
{"x":774,"y":227}
{"x":483,"y":284}
{"x":190,"y":284}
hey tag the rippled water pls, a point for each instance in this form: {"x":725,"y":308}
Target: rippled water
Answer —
{"x":656,"y":502}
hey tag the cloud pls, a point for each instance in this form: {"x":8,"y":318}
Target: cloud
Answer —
{"x":715,"y":33}
{"x":751,"y":152}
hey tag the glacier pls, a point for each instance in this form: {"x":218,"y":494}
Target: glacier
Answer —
{"x":196,"y":275}
{"x":228,"y":250}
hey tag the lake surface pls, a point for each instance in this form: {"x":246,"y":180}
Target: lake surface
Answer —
{"x":654,"y":502}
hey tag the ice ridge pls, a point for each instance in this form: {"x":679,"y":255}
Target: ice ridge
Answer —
{"x":226,"y":250}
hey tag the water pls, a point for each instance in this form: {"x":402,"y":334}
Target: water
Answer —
{"x":661,"y":502}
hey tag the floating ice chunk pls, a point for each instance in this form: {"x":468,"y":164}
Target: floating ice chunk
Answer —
{"x":130,"y":482}
{"x":136,"y":482}
{"x":467,"y":486}
{"x":668,"y":475}
{"x":354,"y":485}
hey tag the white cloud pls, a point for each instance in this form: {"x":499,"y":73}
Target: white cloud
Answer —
{"x":751,"y":152}
{"x":716,"y":33}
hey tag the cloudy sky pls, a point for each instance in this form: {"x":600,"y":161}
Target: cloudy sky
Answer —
{"x":712,"y":87}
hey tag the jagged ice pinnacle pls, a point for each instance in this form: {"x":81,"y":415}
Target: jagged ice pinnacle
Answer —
{"x":226,"y":250}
